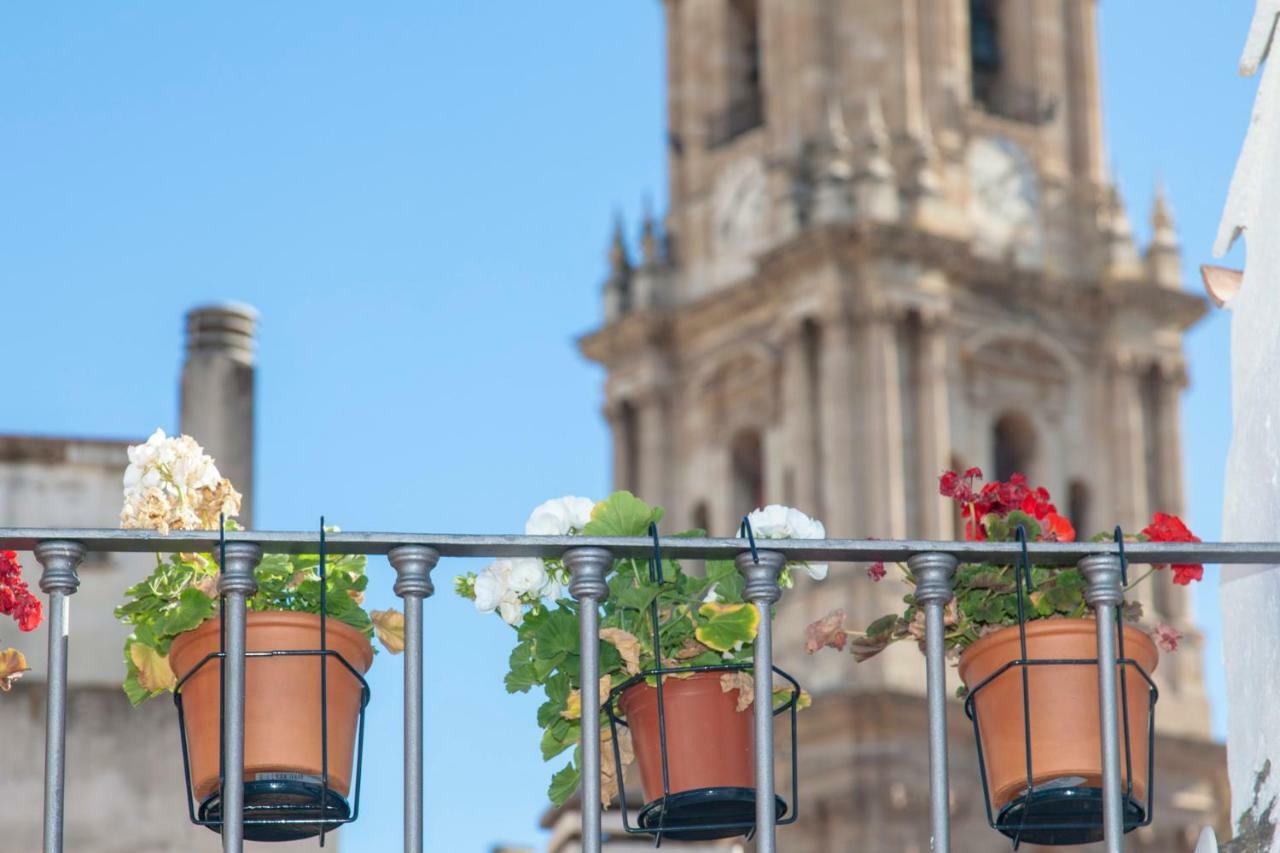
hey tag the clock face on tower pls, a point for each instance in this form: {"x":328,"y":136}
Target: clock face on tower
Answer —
{"x":1005,"y":199}
{"x":739,"y":214}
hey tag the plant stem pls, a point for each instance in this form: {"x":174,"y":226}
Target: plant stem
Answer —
{"x":1146,"y":575}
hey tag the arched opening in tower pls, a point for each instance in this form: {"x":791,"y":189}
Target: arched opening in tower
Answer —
{"x":1014,"y":437}
{"x":747,"y":459}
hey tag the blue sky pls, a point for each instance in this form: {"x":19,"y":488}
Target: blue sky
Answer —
{"x":417,"y":198}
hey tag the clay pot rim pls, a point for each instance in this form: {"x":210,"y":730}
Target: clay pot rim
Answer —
{"x":1057,"y":626}
{"x":283,"y":618}
{"x":635,"y":689}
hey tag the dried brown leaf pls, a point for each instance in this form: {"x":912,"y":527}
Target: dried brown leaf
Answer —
{"x":743,"y":683}
{"x":627,"y":645}
{"x":827,"y":631}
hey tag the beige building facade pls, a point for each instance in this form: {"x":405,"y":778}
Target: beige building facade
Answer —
{"x":892,"y":247}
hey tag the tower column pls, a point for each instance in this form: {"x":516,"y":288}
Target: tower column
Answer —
{"x":1171,"y":601}
{"x":618,"y":426}
{"x":933,"y":424}
{"x":1173,"y":381}
{"x":839,"y":448}
{"x":1129,"y":455}
{"x":878,"y":425}
{"x":217,"y":393}
{"x":799,"y":418}
{"x":655,"y":448}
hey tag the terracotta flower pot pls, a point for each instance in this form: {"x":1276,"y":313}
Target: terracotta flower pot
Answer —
{"x":708,"y":739}
{"x":282,"y":699}
{"x":1066,"y":746}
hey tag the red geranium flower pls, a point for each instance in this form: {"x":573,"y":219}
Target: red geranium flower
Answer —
{"x":1059,"y":528}
{"x":1170,"y":528}
{"x":16,"y":599}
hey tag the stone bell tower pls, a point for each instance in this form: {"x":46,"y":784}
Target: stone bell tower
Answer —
{"x":892,"y":247}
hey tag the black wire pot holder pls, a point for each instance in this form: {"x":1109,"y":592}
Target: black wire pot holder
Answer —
{"x":700,"y":814}
{"x":1065,"y":811}
{"x":283,"y":806}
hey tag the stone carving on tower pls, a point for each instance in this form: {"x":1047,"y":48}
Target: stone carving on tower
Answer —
{"x":892,"y":247}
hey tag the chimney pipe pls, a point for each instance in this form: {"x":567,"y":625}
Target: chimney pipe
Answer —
{"x":217,"y":395}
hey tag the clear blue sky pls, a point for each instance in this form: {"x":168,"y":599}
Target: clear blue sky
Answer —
{"x":417,"y":197}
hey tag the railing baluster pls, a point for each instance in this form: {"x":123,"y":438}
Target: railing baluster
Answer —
{"x":1105,"y":593}
{"x":59,"y":581}
{"x":413,"y":565}
{"x":934,"y":572}
{"x":237,"y":583}
{"x":762,"y":571}
{"x":587,"y":569}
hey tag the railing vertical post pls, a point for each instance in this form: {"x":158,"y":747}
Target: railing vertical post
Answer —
{"x":934,"y":572}
{"x":59,"y":581}
{"x":762,"y":571}
{"x":237,"y":583}
{"x":587,"y":570}
{"x":413,"y":565}
{"x":1105,"y":593}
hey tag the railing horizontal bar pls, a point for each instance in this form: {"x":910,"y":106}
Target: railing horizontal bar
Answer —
{"x":107,"y":540}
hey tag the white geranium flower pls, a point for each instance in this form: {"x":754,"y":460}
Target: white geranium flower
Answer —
{"x":783,"y":522}
{"x":493,"y":584}
{"x":804,"y":527}
{"x":552,"y":590}
{"x":527,"y":574}
{"x":817,"y":571}
{"x":771,"y":522}
{"x":511,"y":610}
{"x":171,"y":484}
{"x":711,"y":597}
{"x":560,"y":516}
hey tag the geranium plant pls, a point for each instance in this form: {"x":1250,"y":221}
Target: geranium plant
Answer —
{"x":171,"y":484}
{"x":702,"y":620}
{"x":986,"y":593}
{"x":16,"y":600}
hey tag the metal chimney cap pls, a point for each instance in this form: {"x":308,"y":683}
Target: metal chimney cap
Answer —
{"x":224,"y":328}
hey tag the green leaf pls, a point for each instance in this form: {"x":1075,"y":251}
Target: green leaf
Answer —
{"x":727,"y":625}
{"x":559,"y":736}
{"x":556,"y":635}
{"x":521,"y":677}
{"x":193,"y":608}
{"x":725,"y":578}
{"x":638,"y":597}
{"x":563,"y":784}
{"x":621,"y":514}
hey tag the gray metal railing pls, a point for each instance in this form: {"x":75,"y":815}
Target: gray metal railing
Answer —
{"x":414,"y":555}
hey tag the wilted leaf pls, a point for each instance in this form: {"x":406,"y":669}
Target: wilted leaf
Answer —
{"x":884,"y":626}
{"x":728,"y":626}
{"x":154,"y":672}
{"x":12,"y":665}
{"x":389,"y":626}
{"x":867,"y":646}
{"x":609,"y":767}
{"x":782,"y":695}
{"x":827,"y":631}
{"x":207,"y":585}
{"x":691,"y":649}
{"x":1132,"y":611}
{"x":573,"y":704}
{"x":627,"y":645}
{"x":743,"y":683}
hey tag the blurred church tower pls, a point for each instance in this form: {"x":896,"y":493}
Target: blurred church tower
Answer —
{"x":892,"y":247}
{"x":124,"y":789}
